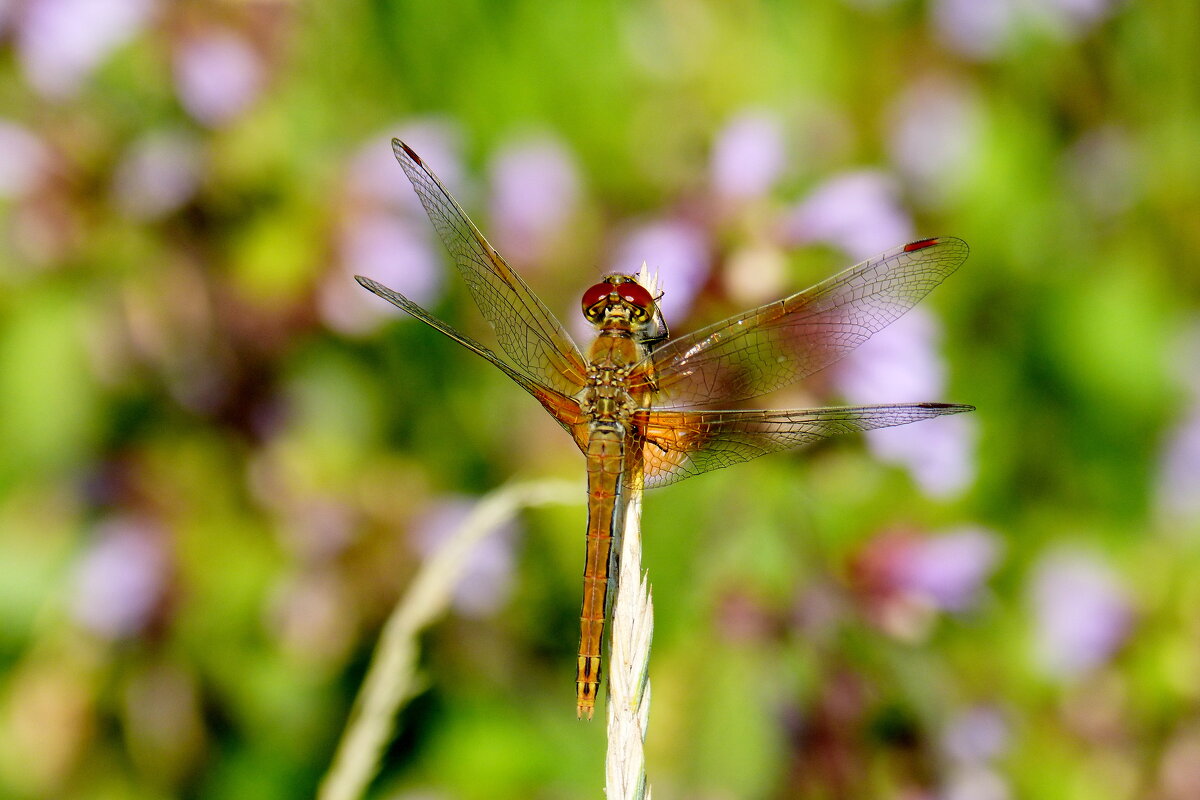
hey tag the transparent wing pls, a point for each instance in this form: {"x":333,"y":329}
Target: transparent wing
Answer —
{"x":769,"y":347}
{"x":680,"y":444}
{"x":527,"y":332}
{"x":561,"y":407}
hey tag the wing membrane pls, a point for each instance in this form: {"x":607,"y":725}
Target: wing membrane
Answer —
{"x":680,"y":444}
{"x":563,"y":408}
{"x":526,"y":330}
{"x":774,"y":345}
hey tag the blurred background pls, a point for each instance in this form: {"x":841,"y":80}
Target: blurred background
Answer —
{"x":221,"y":461}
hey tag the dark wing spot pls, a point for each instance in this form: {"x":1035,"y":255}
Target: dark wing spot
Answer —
{"x":410,"y":152}
{"x":920,"y":244}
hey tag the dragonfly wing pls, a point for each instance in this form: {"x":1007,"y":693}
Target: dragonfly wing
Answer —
{"x":774,"y":345}
{"x":563,"y":408}
{"x":527,"y":332}
{"x":680,"y":444}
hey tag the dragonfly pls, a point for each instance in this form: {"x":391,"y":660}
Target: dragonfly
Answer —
{"x":647,"y":410}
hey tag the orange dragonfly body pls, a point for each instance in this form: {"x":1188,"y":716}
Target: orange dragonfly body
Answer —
{"x":644,"y":409}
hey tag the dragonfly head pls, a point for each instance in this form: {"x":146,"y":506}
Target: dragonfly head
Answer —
{"x":618,"y":295}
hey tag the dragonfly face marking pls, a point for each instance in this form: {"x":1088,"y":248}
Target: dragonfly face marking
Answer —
{"x":643,"y":405}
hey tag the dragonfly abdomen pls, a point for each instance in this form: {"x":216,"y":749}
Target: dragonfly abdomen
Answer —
{"x":605,"y":459}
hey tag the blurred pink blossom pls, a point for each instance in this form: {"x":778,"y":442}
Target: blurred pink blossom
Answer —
{"x":535,"y":190}
{"x":978,"y":29}
{"x":939,"y":453}
{"x":933,"y":130}
{"x":25,"y":159}
{"x":487,"y":578}
{"x":1082,"y":612}
{"x":905,"y":578}
{"x":972,"y":740}
{"x":949,"y":569}
{"x":158,"y":174}
{"x":375,"y":177}
{"x":901,"y":364}
{"x":1179,"y":469}
{"x":982,"y":29}
{"x":976,"y":735}
{"x":60,"y":42}
{"x":121,"y":579}
{"x":679,"y":250}
{"x":386,"y":234}
{"x":218,"y":76}
{"x":387,"y":248}
{"x":856,"y":211}
{"x":748,"y":156}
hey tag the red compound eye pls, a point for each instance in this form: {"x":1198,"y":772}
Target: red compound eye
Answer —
{"x":594,"y":295}
{"x":636,"y":295}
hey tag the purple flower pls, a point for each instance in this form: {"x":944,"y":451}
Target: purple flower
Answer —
{"x":60,"y":42}
{"x":981,"y":29}
{"x":938,"y":453}
{"x":121,"y":579}
{"x":158,"y":174}
{"x":375,"y":177}
{"x":25,"y":159}
{"x":976,"y":735}
{"x":1179,"y":469}
{"x":386,"y":234}
{"x":903,"y":579}
{"x":1082,"y":612}
{"x":901,"y":364}
{"x":951,"y":568}
{"x":218,"y":75}
{"x":933,"y":135}
{"x":978,"y":29}
{"x":678,"y":250}
{"x":487,"y":576}
{"x":748,"y":156}
{"x":387,"y":248}
{"x":535,"y":190}
{"x":7,"y":7}
{"x":856,"y":211}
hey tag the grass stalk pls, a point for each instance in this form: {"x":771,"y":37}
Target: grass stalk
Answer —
{"x":629,"y":660}
{"x":392,"y":677}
